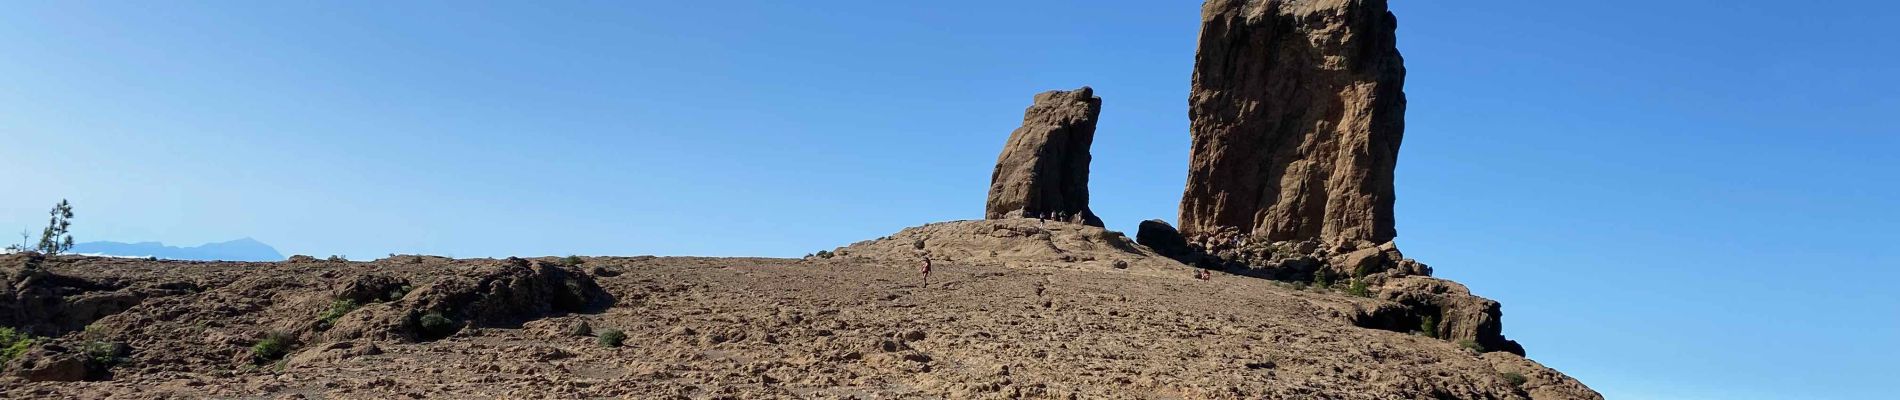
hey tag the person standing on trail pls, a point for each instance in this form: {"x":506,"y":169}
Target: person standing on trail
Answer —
{"x":926,"y":270}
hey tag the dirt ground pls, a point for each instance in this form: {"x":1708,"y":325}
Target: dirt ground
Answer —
{"x":845,"y":327}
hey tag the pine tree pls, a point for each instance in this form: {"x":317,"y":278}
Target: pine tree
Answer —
{"x":58,"y":238}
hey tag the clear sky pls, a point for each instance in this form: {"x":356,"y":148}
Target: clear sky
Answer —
{"x":1673,"y":200}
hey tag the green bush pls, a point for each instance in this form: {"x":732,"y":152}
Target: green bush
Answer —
{"x":1471,"y":344}
{"x":436,"y":325}
{"x":13,"y":344}
{"x":612,"y":338}
{"x":399,"y":293}
{"x":1320,"y":279}
{"x":1429,"y":326}
{"x":573,"y":261}
{"x":102,"y":352}
{"x":274,"y":346}
{"x":824,"y":254}
{"x":1358,"y":288}
{"x":339,"y":259}
{"x":1516,"y":380}
{"x":336,"y":311}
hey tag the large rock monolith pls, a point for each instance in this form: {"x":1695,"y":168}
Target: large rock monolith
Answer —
{"x":1044,"y":169}
{"x":1297,"y":112}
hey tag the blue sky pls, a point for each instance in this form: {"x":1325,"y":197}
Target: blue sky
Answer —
{"x":1674,"y":200}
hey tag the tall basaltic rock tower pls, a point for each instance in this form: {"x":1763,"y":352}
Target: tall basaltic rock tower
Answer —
{"x":1297,"y":112}
{"x":1044,"y":169}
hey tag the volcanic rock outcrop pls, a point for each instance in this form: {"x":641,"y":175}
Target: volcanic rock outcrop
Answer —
{"x":1297,"y":113}
{"x":1044,"y":168}
{"x":1298,"y":110}
{"x":508,"y":293}
{"x":40,"y":302}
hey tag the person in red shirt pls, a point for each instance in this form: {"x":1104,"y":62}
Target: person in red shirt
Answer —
{"x":926,"y":270}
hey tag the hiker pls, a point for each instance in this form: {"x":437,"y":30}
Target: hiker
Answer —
{"x":926,"y":270}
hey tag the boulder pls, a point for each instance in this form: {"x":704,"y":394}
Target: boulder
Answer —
{"x":1163,"y":239}
{"x":49,"y":364}
{"x":1044,"y":169}
{"x":1297,"y":112}
{"x":1460,"y":315}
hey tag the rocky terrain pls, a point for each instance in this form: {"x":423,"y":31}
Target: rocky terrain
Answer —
{"x":1284,"y":282}
{"x":1057,"y":311}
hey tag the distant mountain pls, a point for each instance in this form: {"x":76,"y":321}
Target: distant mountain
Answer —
{"x":245,"y":249}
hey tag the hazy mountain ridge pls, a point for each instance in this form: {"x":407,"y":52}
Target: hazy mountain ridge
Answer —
{"x":245,"y":249}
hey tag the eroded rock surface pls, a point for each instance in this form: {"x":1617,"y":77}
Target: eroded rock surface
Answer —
{"x":1297,"y":113}
{"x":1021,"y":323}
{"x":1044,"y":169}
{"x":505,"y":294}
{"x":41,"y":302}
{"x":1459,"y":316}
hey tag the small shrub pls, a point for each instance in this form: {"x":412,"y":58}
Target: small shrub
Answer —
{"x":337,"y":310}
{"x":274,"y":346}
{"x":338,"y":259}
{"x":1516,"y":380}
{"x":1320,"y":279}
{"x":826,"y":254}
{"x":1471,"y":344}
{"x":13,"y":343}
{"x":573,"y":261}
{"x":612,"y":338}
{"x":1358,"y":288}
{"x":399,"y":293}
{"x":436,"y":325}
{"x":1429,"y":326}
{"x":102,"y":352}
{"x":582,"y":329}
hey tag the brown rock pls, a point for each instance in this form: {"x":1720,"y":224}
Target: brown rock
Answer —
{"x":38,"y":301}
{"x":1044,"y":169}
{"x":49,"y":364}
{"x":364,"y":289}
{"x":1163,"y":238}
{"x":507,"y":294}
{"x":1540,"y":382}
{"x":1460,"y":315}
{"x":1297,"y":113}
{"x":334,"y":352}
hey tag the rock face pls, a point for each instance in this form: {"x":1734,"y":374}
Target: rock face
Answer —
{"x":1297,"y":113}
{"x":1044,"y":169}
